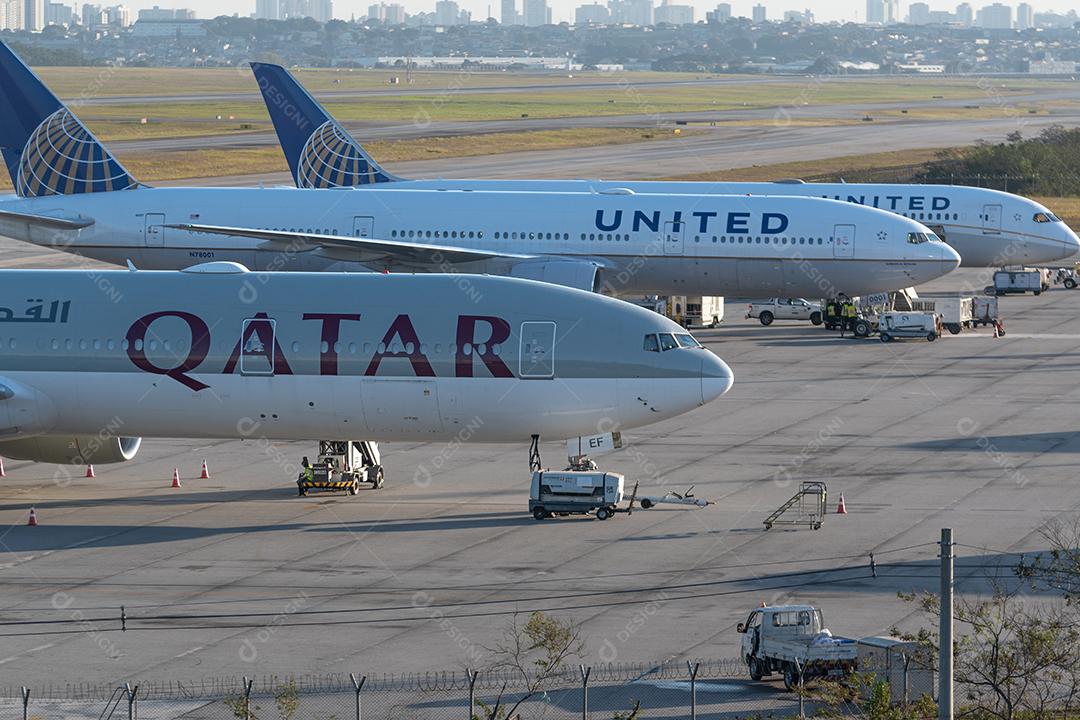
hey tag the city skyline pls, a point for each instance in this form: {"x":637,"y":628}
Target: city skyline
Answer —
{"x":564,"y":10}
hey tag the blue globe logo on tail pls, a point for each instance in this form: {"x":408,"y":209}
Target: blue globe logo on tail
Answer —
{"x":331,"y":159}
{"x":62,"y":157}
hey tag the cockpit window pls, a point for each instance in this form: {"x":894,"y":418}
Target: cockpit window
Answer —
{"x":916,"y":238}
{"x":667,"y":342}
{"x":1045,"y":217}
{"x":687,"y":341}
{"x":652,"y":344}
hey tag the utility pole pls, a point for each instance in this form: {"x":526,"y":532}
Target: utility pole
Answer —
{"x":945,"y":629}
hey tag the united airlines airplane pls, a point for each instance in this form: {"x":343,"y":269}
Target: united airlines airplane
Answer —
{"x":74,"y":195}
{"x":987,"y":227}
{"x":92,"y":362}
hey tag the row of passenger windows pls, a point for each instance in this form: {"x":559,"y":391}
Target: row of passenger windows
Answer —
{"x":478,"y":234}
{"x":932,"y":216}
{"x":339,"y":348}
{"x":620,"y":237}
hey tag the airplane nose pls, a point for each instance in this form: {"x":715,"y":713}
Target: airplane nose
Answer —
{"x":716,"y":377}
{"x":950,"y":259}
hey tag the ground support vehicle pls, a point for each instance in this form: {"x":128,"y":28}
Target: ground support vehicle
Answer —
{"x":956,"y":313}
{"x":792,"y":640}
{"x":574,"y":492}
{"x":1019,"y":282}
{"x":343,"y":465}
{"x":894,"y":325}
{"x":698,"y":311}
{"x":785,"y":309}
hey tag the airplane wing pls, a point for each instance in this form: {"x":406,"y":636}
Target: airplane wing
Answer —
{"x":53,"y":223}
{"x":378,"y":249}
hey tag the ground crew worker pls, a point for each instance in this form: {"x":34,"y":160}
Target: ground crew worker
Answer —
{"x":849,"y":316}
{"x":307,"y":473}
{"x":828,"y":313}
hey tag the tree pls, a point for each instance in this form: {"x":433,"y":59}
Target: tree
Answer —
{"x":1060,"y":570}
{"x":1014,"y":657}
{"x":534,"y":654}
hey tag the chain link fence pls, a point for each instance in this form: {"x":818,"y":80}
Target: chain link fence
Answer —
{"x":706,"y":689}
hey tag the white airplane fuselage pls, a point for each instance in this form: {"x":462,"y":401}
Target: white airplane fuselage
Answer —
{"x":989,"y":228}
{"x":643,"y":244}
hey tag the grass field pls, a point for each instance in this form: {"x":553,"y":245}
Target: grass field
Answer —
{"x":112,"y":82}
{"x":81,"y":82}
{"x":178,"y":165}
{"x":455,"y":106}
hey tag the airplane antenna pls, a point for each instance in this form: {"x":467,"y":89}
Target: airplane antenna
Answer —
{"x":131,"y":266}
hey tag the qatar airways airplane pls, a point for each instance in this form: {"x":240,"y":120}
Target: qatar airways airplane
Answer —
{"x":217,"y":351}
{"x":72,"y":194}
{"x":988,"y":228}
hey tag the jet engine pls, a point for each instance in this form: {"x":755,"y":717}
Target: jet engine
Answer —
{"x":581,"y":275}
{"x":72,"y":450}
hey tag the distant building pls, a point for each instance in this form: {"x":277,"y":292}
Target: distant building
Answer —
{"x":447,"y":13}
{"x":158,"y":13}
{"x":631,"y":12}
{"x":758,"y":14}
{"x":509,"y":14}
{"x":965,"y":16}
{"x":805,"y":17}
{"x":267,"y":10}
{"x":672,"y":14}
{"x":168,"y":28}
{"x":392,"y":14}
{"x":11,"y":14}
{"x":875,"y":12}
{"x":919,"y":14}
{"x":1025,"y":16}
{"x":595,"y":14}
{"x":995,"y":17}
{"x":536,"y":13}
{"x":1049,"y":66}
{"x":318,"y":10}
{"x":57,"y":13}
{"x":721,"y":14}
{"x":34,"y":15}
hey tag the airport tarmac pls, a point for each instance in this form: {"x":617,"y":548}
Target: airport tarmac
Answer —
{"x":237,"y":575}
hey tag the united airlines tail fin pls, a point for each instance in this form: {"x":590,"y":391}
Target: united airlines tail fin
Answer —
{"x":47,"y":150}
{"x":321,"y":153}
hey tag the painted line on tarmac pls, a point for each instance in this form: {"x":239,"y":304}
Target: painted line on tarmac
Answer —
{"x":31,"y":650}
{"x":1022,"y":336}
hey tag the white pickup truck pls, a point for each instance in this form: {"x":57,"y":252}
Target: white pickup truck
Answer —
{"x":792,"y":640}
{"x":785,"y":309}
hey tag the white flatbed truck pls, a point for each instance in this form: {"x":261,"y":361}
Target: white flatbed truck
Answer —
{"x":792,"y":640}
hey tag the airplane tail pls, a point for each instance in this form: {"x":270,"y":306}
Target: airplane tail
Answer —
{"x":321,"y":153}
{"x":47,"y":150}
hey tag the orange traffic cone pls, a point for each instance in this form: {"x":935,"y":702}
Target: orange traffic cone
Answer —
{"x":205,"y":472}
{"x":176,"y":477}
{"x":90,"y":471}
{"x":2,"y":468}
{"x":32,"y":522}
{"x":841,"y":509}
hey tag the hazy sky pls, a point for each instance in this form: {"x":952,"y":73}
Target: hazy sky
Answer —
{"x":824,"y":10}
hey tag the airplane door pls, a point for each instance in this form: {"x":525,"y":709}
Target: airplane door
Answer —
{"x":844,"y":241}
{"x":673,"y":238}
{"x":408,"y":407}
{"x":537,"y":358}
{"x":257,"y":346}
{"x":991,"y":219}
{"x":154,"y":230}
{"x":363,"y":226}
